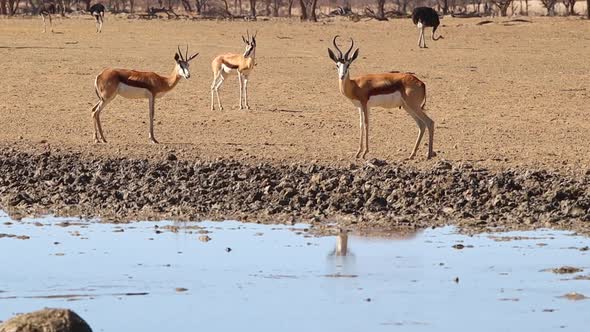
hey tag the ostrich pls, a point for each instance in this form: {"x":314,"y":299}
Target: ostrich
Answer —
{"x":425,"y":17}
{"x":97,"y":10}
{"x":45,"y":10}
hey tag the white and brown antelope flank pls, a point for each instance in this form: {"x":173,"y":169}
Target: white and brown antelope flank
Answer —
{"x":136,"y":85}
{"x":45,"y":10}
{"x":243,"y":64}
{"x":387,"y":90}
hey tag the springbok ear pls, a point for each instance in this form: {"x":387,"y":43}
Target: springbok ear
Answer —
{"x":176,"y":57}
{"x":244,"y":39}
{"x":192,"y":57}
{"x":332,"y":55}
{"x":356,"y":54}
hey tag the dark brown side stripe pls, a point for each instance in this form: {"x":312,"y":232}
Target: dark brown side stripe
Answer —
{"x":229,"y":65}
{"x":385,"y":89}
{"x":133,"y":83}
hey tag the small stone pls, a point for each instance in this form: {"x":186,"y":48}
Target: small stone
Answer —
{"x":228,"y":249}
{"x":566,"y":270}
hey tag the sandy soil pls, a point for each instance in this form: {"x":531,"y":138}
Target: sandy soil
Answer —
{"x":502,"y":95}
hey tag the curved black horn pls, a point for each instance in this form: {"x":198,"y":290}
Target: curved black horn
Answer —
{"x":336,"y":46}
{"x":180,"y":53}
{"x":186,"y":54}
{"x":350,"y":49}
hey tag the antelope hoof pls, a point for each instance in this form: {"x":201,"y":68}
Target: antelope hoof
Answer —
{"x":412,"y":156}
{"x":365,"y":154}
{"x":431,"y":155}
{"x":358,"y":154}
{"x":247,"y":107}
{"x":154,"y":141}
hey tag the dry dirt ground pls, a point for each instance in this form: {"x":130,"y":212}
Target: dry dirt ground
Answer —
{"x":501,"y":94}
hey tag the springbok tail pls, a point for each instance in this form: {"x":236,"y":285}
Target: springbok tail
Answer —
{"x":424,"y":102}
{"x":96,"y":89}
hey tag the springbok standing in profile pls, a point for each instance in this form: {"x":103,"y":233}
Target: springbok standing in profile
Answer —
{"x":97,"y":10}
{"x":136,"y":85}
{"x":426,"y":17}
{"x":387,"y":90}
{"x":46,"y":10}
{"x":224,"y":64}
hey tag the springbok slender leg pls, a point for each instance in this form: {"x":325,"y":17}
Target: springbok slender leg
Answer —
{"x":94,"y":116}
{"x":240,"y":80}
{"x":50,"y":23}
{"x":217,"y":81}
{"x":98,"y":133}
{"x":366,"y":127}
{"x":246,"y":91}
{"x":152,"y":111}
{"x":428,"y":122}
{"x":361,"y":131}
{"x":421,"y":127}
{"x":44,"y":24}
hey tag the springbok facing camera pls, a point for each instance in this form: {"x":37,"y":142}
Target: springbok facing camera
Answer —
{"x":387,"y":90}
{"x":136,"y":85}
{"x":224,"y":64}
{"x":46,"y":10}
{"x":425,"y":17}
{"x":97,"y":10}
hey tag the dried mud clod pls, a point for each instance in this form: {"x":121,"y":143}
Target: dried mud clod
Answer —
{"x":374,"y":195}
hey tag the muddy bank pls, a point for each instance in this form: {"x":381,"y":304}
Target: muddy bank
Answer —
{"x":375,"y":194}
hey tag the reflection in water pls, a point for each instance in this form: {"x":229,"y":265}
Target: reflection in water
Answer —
{"x":368,"y":281}
{"x":341,"y":244}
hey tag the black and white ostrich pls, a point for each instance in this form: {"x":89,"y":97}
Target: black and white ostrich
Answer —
{"x":425,"y":17}
{"x":97,"y":10}
{"x":45,"y":10}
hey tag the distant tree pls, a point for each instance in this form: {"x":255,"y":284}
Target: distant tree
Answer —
{"x":308,"y":9}
{"x":503,"y":6}
{"x":381,"y":10}
{"x":550,"y":6}
{"x":588,"y":8}
{"x":569,"y":6}
{"x":402,"y":5}
{"x":303,"y":10}
{"x":253,"y":8}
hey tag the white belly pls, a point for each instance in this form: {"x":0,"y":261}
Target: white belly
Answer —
{"x":391,"y":100}
{"x":132,"y":92}
{"x":226,"y":69}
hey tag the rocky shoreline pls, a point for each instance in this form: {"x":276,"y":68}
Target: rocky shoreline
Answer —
{"x":374,"y":195}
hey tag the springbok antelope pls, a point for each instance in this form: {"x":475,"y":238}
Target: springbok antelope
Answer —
{"x":45,"y":11}
{"x":97,"y":10}
{"x":224,"y":64}
{"x":136,"y":85}
{"x":387,"y":90}
{"x":426,"y":17}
